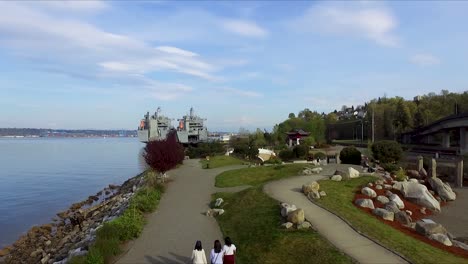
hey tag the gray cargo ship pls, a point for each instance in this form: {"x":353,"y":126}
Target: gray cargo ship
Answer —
{"x":190,"y":129}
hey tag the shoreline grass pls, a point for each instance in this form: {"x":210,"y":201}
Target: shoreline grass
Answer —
{"x":339,"y":200}
{"x":221,"y":161}
{"x":252,"y":220}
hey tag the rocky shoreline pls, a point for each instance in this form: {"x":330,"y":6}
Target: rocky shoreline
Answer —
{"x":74,"y":230}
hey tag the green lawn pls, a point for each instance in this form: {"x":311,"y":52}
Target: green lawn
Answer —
{"x":339,"y":200}
{"x":221,"y":161}
{"x":257,"y":175}
{"x":252,"y":220}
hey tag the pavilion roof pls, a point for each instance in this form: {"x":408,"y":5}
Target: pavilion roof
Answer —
{"x":298,"y":131}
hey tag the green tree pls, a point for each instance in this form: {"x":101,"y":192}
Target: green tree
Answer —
{"x":291,"y":115}
{"x":402,"y":116}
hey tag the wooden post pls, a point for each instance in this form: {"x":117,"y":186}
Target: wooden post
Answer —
{"x":433,"y":170}
{"x":420,"y":163}
{"x":459,"y":179}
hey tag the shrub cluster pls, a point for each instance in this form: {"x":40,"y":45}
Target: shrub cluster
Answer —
{"x":273,"y":160}
{"x":286,"y":154}
{"x":163,"y":155}
{"x":320,"y":155}
{"x":350,"y":155}
{"x":387,"y":151}
{"x":300,"y":151}
{"x":205,"y":149}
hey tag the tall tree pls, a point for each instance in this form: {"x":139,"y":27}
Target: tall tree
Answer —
{"x":402,"y":116}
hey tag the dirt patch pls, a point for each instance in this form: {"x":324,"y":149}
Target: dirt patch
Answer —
{"x":416,"y":216}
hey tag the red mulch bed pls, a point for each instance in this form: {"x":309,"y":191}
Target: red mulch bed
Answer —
{"x":416,"y":216}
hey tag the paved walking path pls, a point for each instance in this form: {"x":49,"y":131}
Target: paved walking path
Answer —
{"x":329,"y":225}
{"x":171,"y":231}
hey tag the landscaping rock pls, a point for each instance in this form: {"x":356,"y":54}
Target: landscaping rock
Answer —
{"x":322,"y":193}
{"x":353,"y":173}
{"x":423,"y":173}
{"x":379,"y":182}
{"x":387,"y":187}
{"x":286,"y":210}
{"x":397,"y":200}
{"x":378,"y":187}
{"x":313,"y":195}
{"x":442,"y":189}
{"x":388,"y":193}
{"x":382,"y":199}
{"x":441,"y":238}
{"x":4,"y":252}
{"x":459,"y":244}
{"x":296,"y":216}
{"x":369,"y":192}
{"x":418,"y":194}
{"x":413,"y":174}
{"x":366,"y":203}
{"x":392,"y":207}
{"x":287,"y":225}
{"x":317,"y":170}
{"x":304,"y":225}
{"x":386,"y":215}
{"x":309,"y":187}
{"x":218,"y":212}
{"x":370,"y":184}
{"x":218,"y":202}
{"x":344,"y":175}
{"x":428,"y":229}
{"x":403,"y":218}
{"x":422,"y":210}
{"x":409,"y":212}
{"x":336,"y":178}
{"x":413,"y":180}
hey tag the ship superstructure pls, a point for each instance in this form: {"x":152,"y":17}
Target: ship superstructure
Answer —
{"x":190,"y":129}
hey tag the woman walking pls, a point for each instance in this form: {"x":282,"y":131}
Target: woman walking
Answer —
{"x":229,"y":251}
{"x":198,"y":254}
{"x":217,"y":253}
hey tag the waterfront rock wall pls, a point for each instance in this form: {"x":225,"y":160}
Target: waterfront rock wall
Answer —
{"x":73,"y":230}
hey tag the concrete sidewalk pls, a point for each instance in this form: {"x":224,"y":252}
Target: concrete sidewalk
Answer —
{"x":329,"y":225}
{"x":171,"y":231}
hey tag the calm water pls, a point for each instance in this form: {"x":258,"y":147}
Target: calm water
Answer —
{"x":40,"y":177}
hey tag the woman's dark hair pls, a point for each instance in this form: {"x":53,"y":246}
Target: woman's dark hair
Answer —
{"x":228,"y":241}
{"x":198,"y":245}
{"x":217,"y":246}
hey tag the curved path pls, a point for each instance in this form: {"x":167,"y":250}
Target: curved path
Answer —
{"x":329,"y":225}
{"x":171,"y":231}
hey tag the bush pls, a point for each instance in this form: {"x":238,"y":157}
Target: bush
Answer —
{"x":300,"y":151}
{"x":273,"y":160}
{"x":164,"y":155}
{"x":286,"y":154}
{"x":400,"y":175}
{"x":390,"y":167}
{"x":320,"y":155}
{"x":387,"y":151}
{"x":126,"y":227}
{"x":350,"y":155}
{"x":94,"y":257}
{"x":206,"y":149}
{"x":146,"y":200}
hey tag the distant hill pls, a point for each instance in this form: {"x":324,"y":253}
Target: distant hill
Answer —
{"x":42,"y":132}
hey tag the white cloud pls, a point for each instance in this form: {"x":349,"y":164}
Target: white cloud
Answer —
{"x":424,"y":60}
{"x":245,"y":28}
{"x":362,"y":20}
{"x":73,"y":5}
{"x":177,"y":51}
{"x":243,"y":93}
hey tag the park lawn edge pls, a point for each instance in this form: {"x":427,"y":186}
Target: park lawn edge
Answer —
{"x":221,"y":161}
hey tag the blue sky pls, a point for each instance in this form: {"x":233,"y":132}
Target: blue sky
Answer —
{"x":92,"y":64}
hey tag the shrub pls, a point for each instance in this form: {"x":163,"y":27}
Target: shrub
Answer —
{"x":107,"y":247}
{"x":300,"y":151}
{"x":390,"y":167}
{"x":205,"y":149}
{"x":320,"y":155}
{"x":350,"y":155}
{"x":286,"y":154}
{"x":387,"y":151}
{"x":273,"y":160}
{"x":126,"y":227}
{"x":163,"y":155}
{"x":94,"y":257}
{"x":146,"y":200}
{"x":400,"y":175}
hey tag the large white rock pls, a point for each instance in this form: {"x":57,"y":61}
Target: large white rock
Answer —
{"x":382,"y":199}
{"x":366,"y":203}
{"x":392,"y":207}
{"x":418,"y":193}
{"x":296,"y":216}
{"x":317,"y":170}
{"x":336,"y":178}
{"x":386,"y":215}
{"x":310,"y":187}
{"x":369,"y":192}
{"x":353,"y":173}
{"x":442,"y":189}
{"x":441,"y":238}
{"x":218,"y":202}
{"x":460,"y":244}
{"x":287,"y":209}
{"x":397,"y":200}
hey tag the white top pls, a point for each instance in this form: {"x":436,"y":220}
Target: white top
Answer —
{"x":229,"y":250}
{"x":216,"y":258}
{"x":198,"y":257}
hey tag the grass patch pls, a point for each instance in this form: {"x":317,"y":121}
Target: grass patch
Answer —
{"x":252,"y":220}
{"x":125,"y":227}
{"x":220,"y":161}
{"x":257,"y":175}
{"x":339,"y":200}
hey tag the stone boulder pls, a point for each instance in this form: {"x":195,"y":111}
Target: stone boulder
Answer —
{"x":442,"y":189}
{"x":309,"y":187}
{"x":322,"y":193}
{"x":441,"y":238}
{"x":317,"y":170}
{"x":287,"y":225}
{"x":313,"y":195}
{"x":369,"y":192}
{"x":353,"y":173}
{"x":366,"y":203}
{"x":285,"y":210}
{"x":423,"y":173}
{"x":418,"y":194}
{"x":386,"y":215}
{"x":304,"y":225}
{"x":296,"y":216}
{"x":413,"y":174}
{"x":382,"y":199}
{"x":218,"y":202}
{"x":344,"y":175}
{"x":378,"y":187}
{"x":336,"y":178}
{"x":397,"y":200}
{"x":428,"y":229}
{"x":403,"y":218}
{"x":392,"y":207}
{"x":413,"y":180}
{"x":459,"y":244}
